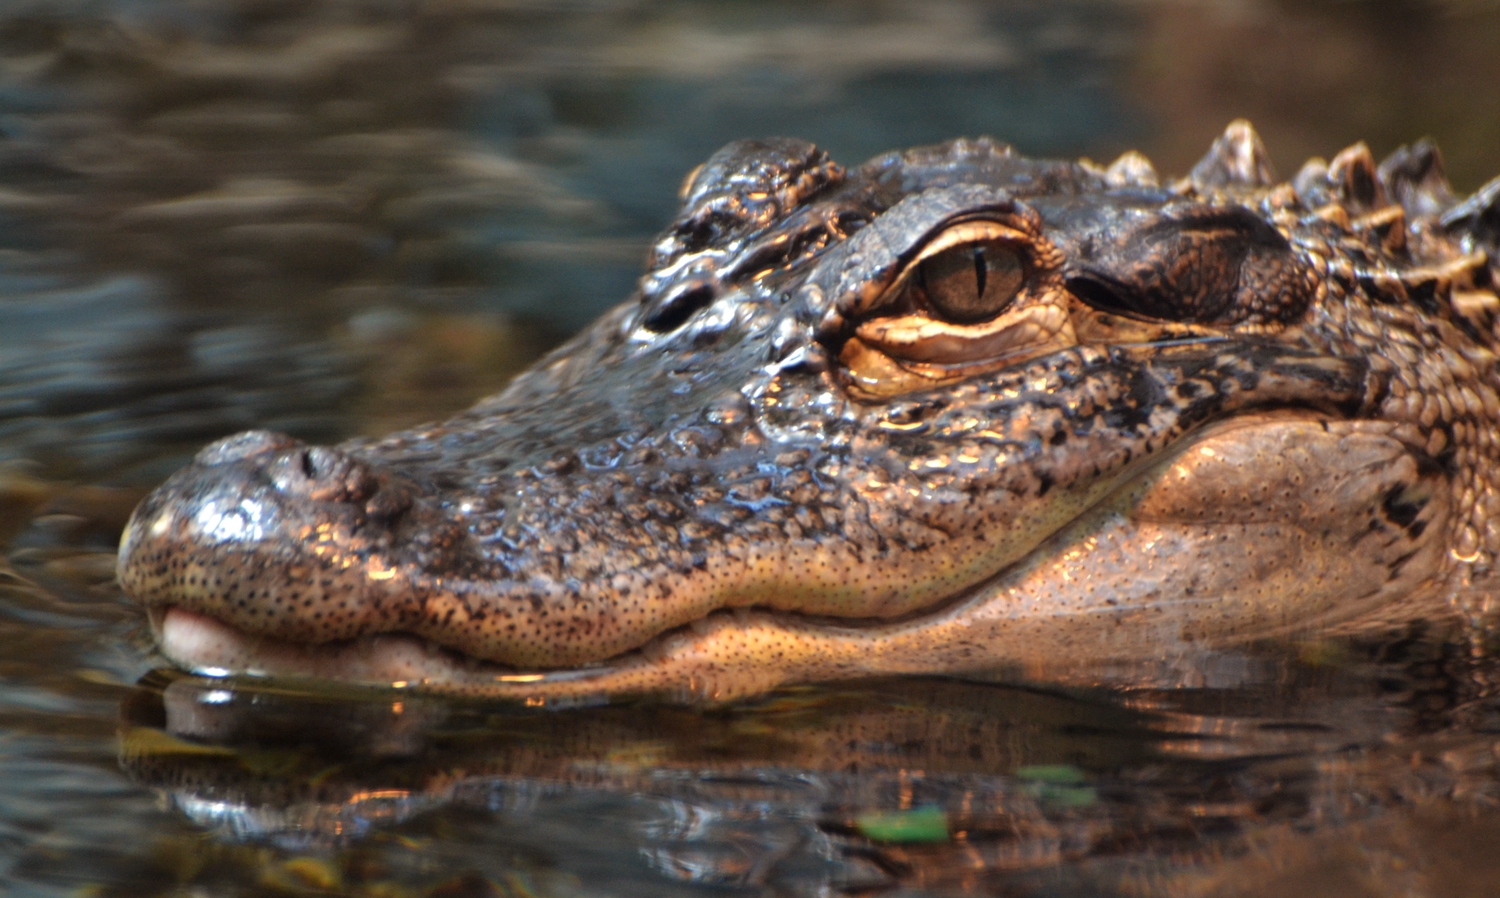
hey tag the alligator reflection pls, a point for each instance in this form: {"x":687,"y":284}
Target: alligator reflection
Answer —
{"x":932,"y":784}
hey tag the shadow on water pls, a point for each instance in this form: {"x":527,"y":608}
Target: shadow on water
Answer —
{"x":343,"y":217}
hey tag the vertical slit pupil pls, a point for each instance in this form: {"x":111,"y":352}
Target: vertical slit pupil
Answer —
{"x":971,"y":283}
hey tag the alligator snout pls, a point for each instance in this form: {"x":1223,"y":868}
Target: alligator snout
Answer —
{"x":323,"y":474}
{"x":273,"y":536}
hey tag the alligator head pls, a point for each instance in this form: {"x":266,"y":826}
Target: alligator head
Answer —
{"x":953,"y":410}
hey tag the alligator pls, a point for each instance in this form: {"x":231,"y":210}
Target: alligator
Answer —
{"x":953,"y":411}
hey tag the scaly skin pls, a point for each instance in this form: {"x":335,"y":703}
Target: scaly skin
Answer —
{"x":1182,"y":418}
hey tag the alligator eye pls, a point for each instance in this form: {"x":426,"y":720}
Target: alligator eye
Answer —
{"x":973,"y":283}
{"x":978,"y":295}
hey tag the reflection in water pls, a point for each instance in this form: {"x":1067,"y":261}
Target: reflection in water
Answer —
{"x":809,"y":789}
{"x":99,"y":375}
{"x":344,"y":216}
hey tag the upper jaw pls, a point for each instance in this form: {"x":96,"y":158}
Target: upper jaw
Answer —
{"x":273,"y":536}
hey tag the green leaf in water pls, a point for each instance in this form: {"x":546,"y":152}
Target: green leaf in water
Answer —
{"x":1057,"y":784}
{"x":1055,"y":774}
{"x":925,"y":824}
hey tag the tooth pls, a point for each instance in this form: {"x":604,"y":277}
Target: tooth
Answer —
{"x":1237,"y":158}
{"x":1132,"y":169}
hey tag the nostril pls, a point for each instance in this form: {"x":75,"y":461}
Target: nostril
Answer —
{"x":323,"y":474}
{"x":323,"y":463}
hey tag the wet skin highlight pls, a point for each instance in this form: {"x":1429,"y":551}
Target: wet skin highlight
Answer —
{"x":953,"y":410}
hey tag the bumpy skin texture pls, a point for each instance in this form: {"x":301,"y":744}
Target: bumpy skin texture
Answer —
{"x":783,"y":421}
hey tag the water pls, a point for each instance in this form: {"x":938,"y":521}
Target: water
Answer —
{"x":343,"y":217}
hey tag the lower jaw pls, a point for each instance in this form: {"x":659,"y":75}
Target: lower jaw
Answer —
{"x":209,"y":647}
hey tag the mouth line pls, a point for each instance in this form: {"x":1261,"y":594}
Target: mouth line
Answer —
{"x":400,"y":659}
{"x":209,"y":647}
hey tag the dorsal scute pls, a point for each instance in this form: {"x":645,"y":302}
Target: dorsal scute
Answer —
{"x":1311,"y":183}
{"x":1441,"y":279}
{"x":1237,"y":158}
{"x":1351,"y":181}
{"x":1355,"y":179}
{"x":1414,"y":176}
{"x":1478,"y":217}
{"x":1131,"y":169}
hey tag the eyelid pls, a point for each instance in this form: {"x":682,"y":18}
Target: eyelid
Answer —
{"x":964,"y":233}
{"x":895,"y":342}
{"x":917,"y":338}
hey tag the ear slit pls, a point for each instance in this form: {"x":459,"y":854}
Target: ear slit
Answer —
{"x":1103,"y":296}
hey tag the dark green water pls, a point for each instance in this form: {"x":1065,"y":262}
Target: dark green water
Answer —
{"x":342,"y":217}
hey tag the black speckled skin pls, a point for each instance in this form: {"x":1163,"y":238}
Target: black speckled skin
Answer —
{"x":708,"y":445}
